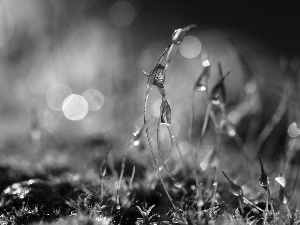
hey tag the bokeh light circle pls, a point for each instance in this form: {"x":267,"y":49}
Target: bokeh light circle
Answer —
{"x":56,"y":94}
{"x":190,"y":47}
{"x":293,"y":130}
{"x":75,"y":107}
{"x":122,"y":13}
{"x":94,"y":98}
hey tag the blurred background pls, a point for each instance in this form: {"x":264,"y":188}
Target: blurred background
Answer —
{"x":73,"y":69}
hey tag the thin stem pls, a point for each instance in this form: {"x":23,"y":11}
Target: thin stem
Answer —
{"x":246,"y":200}
{"x":132,"y":176}
{"x":161,"y":155}
{"x":111,"y":165}
{"x":173,"y":139}
{"x":288,"y":211}
{"x":102,"y":169}
{"x":252,"y":130}
{"x":218,"y":131}
{"x":157,"y":169}
{"x":145,"y":105}
{"x":192,"y":118}
{"x":206,"y":118}
{"x":194,"y":158}
{"x":267,"y":206}
{"x":214,"y":193}
{"x":123,"y":169}
{"x":273,"y":211}
{"x":171,"y":131}
{"x":149,"y":87}
{"x":102,"y":189}
{"x":196,"y":162}
{"x":122,"y":173}
{"x":241,"y":205}
{"x":171,"y":149}
{"x":275,"y":118}
{"x":240,"y":144}
{"x":199,"y":209}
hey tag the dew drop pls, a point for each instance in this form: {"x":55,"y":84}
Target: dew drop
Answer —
{"x":178,"y":185}
{"x":136,"y":143}
{"x":230,"y":130}
{"x":103,"y":171}
{"x":206,"y":60}
{"x":203,"y":166}
{"x":202,"y":88}
{"x":215,"y":102}
{"x":175,"y":220}
{"x":281,"y":181}
{"x":200,"y":203}
{"x":206,"y":63}
{"x":293,"y":130}
{"x":284,"y":201}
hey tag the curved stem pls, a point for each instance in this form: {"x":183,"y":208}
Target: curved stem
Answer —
{"x":275,"y":118}
{"x":267,"y":206}
{"x":171,"y":150}
{"x":206,"y":118}
{"x":192,"y":118}
{"x":174,"y":139}
{"x":161,"y":155}
{"x":132,"y":176}
{"x":146,"y":103}
{"x":246,"y":200}
{"x":157,"y":169}
{"x":122,"y":173}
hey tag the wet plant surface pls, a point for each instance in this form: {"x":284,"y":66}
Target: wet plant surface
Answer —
{"x":155,"y":180}
{"x":80,"y":197}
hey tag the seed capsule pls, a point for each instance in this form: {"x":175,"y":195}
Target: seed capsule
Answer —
{"x":159,"y":76}
{"x":202,"y":82}
{"x":218,"y":93}
{"x":165,"y":112}
{"x":235,"y":189}
{"x":179,"y":34}
{"x":264,"y":179}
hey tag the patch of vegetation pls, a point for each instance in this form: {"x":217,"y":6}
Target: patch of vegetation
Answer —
{"x":108,"y":189}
